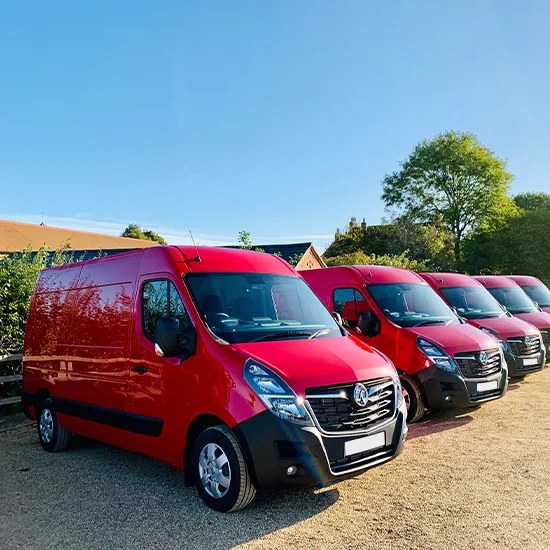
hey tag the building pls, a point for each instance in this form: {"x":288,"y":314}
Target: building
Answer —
{"x":300,"y":255}
{"x":17,"y":236}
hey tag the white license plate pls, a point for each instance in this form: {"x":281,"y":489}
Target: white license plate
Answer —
{"x":364,"y":444}
{"x":530,"y":361}
{"x":487,"y":386}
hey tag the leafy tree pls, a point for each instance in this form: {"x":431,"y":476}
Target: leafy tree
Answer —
{"x":244,"y":239}
{"x":455,"y":180}
{"x":532,"y":200}
{"x":520,"y":247}
{"x":360,"y":258}
{"x":430,"y":244}
{"x":246,"y":243}
{"x":134,"y":231}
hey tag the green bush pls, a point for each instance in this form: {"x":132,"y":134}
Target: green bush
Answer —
{"x":18,"y":274}
{"x":360,"y":258}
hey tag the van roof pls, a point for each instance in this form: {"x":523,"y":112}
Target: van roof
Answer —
{"x":185,"y":257}
{"x":494,"y":281}
{"x":370,"y":274}
{"x":443,"y":280}
{"x":524,"y":280}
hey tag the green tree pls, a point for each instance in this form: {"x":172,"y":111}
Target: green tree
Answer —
{"x":134,"y":231}
{"x":453,"y":179}
{"x":430,"y":244}
{"x":246,"y":242}
{"x":532,"y":200}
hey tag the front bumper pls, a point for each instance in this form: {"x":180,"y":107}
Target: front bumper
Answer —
{"x":517,"y":369}
{"x":446,"y":390}
{"x":272,"y":445}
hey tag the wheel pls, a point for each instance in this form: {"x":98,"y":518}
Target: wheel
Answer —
{"x":52,"y":436}
{"x":220,"y":471}
{"x":413,"y":398}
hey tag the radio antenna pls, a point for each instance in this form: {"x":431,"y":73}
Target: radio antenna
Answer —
{"x":198,"y":258}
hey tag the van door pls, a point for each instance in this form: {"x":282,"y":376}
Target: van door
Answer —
{"x":159,"y":388}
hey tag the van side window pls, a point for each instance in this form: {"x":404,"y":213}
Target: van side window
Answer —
{"x":345,"y":303}
{"x":159,"y":299}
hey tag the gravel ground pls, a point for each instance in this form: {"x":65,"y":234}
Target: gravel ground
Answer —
{"x":476,"y":480}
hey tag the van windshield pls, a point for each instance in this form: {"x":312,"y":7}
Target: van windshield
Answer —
{"x":254,"y":307}
{"x":538,"y":293}
{"x":412,"y":304}
{"x":472,"y":302}
{"x":515,"y":300}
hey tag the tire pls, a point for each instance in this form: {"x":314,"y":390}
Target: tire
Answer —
{"x":219,"y":444}
{"x":52,"y":436}
{"x":415,"y":402}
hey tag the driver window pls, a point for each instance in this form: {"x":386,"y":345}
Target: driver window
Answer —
{"x":348,"y":302}
{"x":160,"y":298}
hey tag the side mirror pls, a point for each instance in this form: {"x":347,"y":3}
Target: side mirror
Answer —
{"x":173,"y":341}
{"x":337,"y":317}
{"x":368,"y":324}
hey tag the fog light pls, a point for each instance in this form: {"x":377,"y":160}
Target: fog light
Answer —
{"x":291,"y":471}
{"x":448,"y":398}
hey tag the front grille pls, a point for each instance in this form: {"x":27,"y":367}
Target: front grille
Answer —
{"x":485,"y":395}
{"x":471,"y":366}
{"x":521,"y":348}
{"x":360,"y":459}
{"x":336,"y":411}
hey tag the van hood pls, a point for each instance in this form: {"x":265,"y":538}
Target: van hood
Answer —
{"x":318,"y":362}
{"x":540,"y":319}
{"x":456,"y":338}
{"x":505,"y":327}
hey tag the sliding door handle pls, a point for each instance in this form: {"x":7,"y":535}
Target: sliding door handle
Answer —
{"x":139,"y":368}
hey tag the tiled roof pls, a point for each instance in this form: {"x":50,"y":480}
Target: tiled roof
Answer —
{"x":17,"y":236}
{"x":286,"y":251}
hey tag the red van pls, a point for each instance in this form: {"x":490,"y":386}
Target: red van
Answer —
{"x":510,"y":295}
{"x":443,"y":362}
{"x":521,"y":342}
{"x":535,"y":289}
{"x":220,"y":362}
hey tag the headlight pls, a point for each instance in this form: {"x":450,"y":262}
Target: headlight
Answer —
{"x":503,"y":343}
{"x":441,"y":359}
{"x":275,"y":393}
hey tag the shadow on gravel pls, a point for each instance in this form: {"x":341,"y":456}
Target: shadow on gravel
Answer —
{"x":105,"y":497}
{"x":438,"y":422}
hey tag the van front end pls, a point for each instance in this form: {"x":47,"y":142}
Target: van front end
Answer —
{"x":329,"y":433}
{"x":462,"y":380}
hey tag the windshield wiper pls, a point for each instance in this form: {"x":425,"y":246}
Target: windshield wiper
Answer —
{"x":275,"y":335}
{"x":322,"y":332}
{"x":431,"y":322}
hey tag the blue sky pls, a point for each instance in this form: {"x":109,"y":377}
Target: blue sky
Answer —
{"x":279,"y":117}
